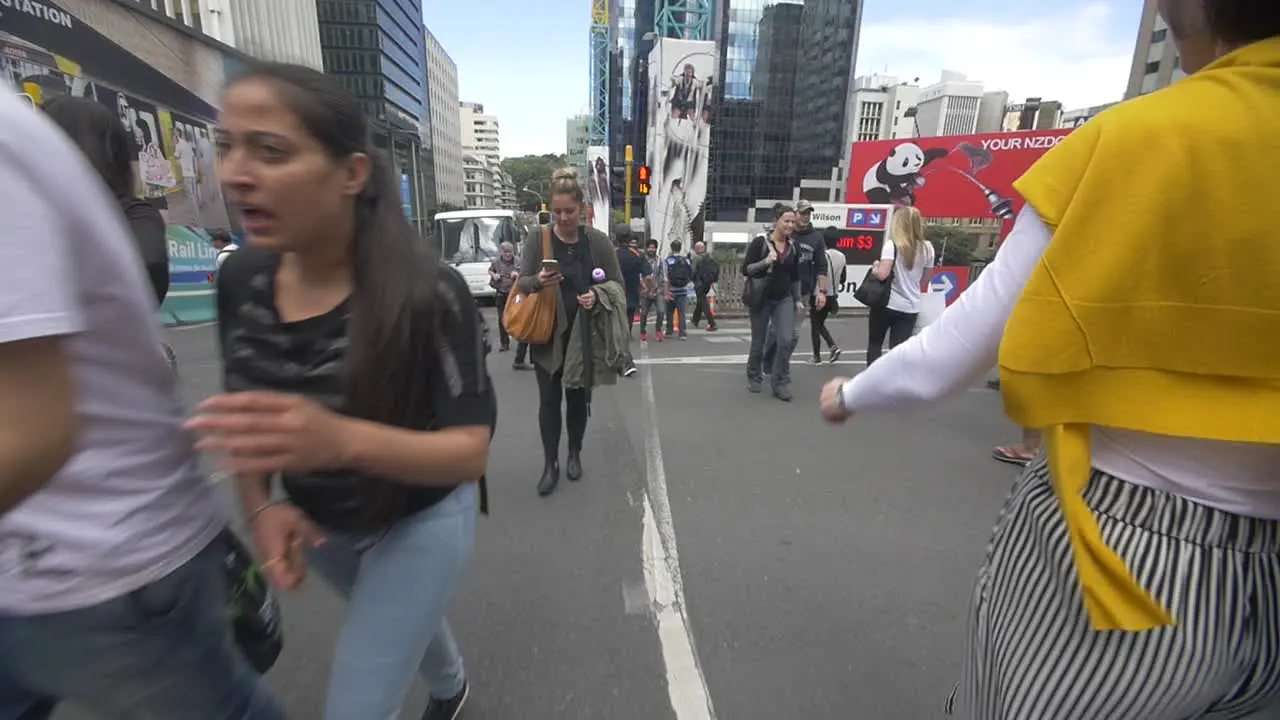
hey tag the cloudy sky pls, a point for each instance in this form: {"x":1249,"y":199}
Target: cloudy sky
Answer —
{"x":527,"y":61}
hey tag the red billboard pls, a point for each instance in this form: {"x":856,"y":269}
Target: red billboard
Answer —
{"x":954,"y":176}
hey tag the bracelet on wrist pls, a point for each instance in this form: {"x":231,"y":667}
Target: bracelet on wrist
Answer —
{"x":262,"y":508}
{"x":844,"y":406}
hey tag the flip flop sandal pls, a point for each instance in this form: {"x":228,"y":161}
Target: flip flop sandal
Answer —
{"x":1012,"y":456}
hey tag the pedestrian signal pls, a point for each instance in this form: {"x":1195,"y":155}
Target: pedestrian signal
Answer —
{"x":643,"y":176}
{"x":544,"y":218}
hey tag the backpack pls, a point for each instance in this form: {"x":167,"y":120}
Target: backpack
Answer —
{"x":679,"y":271}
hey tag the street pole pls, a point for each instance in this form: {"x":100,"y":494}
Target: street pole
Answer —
{"x":626,"y":202}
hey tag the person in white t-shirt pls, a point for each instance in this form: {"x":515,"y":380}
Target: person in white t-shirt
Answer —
{"x":908,"y":257}
{"x":224,"y":245}
{"x":112,"y":591}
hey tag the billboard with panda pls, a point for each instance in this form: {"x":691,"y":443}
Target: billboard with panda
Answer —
{"x":954,"y":176}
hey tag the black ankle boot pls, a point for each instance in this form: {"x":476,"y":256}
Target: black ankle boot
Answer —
{"x":573,"y":468}
{"x":550,"y":478}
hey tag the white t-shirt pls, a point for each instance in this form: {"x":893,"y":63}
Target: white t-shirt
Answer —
{"x":225,"y":253}
{"x":835,"y":270}
{"x":131,"y":505}
{"x":904,"y":293}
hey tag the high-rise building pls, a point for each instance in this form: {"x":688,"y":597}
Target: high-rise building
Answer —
{"x":1076,"y":118}
{"x":446,"y":125}
{"x":950,"y":106}
{"x":477,"y":182}
{"x":1034,"y":114}
{"x":1155,"y":58}
{"x":828,"y":48}
{"x":377,"y":49}
{"x":481,"y":135}
{"x":577,"y":136}
{"x":279,"y":31}
{"x":879,"y":109}
{"x":773,"y":86}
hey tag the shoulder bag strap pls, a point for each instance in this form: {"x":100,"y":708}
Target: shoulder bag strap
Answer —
{"x":546,"y":242}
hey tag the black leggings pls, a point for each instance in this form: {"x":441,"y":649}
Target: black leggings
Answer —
{"x":898,"y":326}
{"x":550,"y":392}
{"x":818,"y":326}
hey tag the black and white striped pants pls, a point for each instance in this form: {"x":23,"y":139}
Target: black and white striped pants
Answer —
{"x":1034,"y":656}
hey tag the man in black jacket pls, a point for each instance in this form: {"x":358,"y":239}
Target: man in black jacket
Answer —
{"x":706,"y":272}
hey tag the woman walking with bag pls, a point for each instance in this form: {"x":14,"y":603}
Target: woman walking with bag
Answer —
{"x":772,"y":269}
{"x":560,"y":258}
{"x":355,"y":368}
{"x":906,"y":262}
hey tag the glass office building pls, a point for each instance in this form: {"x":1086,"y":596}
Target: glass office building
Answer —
{"x":785,"y":71}
{"x":377,"y":49}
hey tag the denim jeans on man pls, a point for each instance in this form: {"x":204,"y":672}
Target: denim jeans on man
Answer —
{"x":679,"y":303}
{"x":159,"y":653}
{"x":777,"y":317}
{"x":398,"y":586}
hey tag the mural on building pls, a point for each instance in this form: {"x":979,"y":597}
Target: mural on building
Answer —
{"x":175,"y":167}
{"x":681,"y":100}
{"x":599,"y":192}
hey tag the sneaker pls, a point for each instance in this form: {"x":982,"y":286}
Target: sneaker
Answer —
{"x":754,"y":386}
{"x":783,"y":394}
{"x":505,"y":348}
{"x":835,"y":354}
{"x":660,"y":337}
{"x":447,"y":709}
{"x":816,"y":360}
{"x":629,"y":370}
{"x":684,"y":336}
{"x":711,"y":328}
{"x":643,"y":336}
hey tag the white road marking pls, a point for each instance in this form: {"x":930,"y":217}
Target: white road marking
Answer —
{"x":728,"y":339}
{"x":686,"y":685}
{"x":196,"y":326}
{"x":728,"y":360}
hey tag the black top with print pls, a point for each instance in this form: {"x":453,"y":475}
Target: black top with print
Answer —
{"x":262,"y":352}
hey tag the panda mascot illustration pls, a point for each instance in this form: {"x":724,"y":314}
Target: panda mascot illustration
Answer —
{"x":893,"y":180}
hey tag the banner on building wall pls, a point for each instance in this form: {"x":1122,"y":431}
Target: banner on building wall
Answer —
{"x":957,"y":176}
{"x":50,"y":53}
{"x":599,"y":193}
{"x":681,"y":106}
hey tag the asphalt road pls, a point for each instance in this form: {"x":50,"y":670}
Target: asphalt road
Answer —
{"x":825,"y":571}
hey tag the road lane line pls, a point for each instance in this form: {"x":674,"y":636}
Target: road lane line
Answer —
{"x":686,"y":684}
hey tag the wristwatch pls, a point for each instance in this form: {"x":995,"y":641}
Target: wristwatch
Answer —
{"x":840,"y":401}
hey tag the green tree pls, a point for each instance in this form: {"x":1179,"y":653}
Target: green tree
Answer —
{"x":533,"y":172}
{"x":616,"y":218}
{"x":441,"y":207}
{"x":955,"y":245}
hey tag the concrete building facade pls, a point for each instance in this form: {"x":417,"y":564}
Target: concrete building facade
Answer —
{"x":1155,"y":58}
{"x":446,"y":124}
{"x":279,"y":31}
{"x":481,"y":134}
{"x":577,"y":137}
{"x":950,"y":106}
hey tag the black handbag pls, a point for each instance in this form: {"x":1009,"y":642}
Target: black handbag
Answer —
{"x":874,"y":292}
{"x":252,"y":606}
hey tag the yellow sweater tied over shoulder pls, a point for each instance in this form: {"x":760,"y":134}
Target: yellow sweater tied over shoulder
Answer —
{"x":1156,"y":307}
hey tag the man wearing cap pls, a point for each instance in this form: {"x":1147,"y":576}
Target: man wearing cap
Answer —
{"x":812,"y":247}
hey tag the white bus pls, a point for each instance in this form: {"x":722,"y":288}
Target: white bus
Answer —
{"x":469,"y":240}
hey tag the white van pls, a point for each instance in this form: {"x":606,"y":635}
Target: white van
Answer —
{"x":469,"y":240}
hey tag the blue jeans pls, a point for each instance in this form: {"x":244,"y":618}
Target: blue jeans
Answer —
{"x":161,"y":652}
{"x":681,"y":303}
{"x":776,"y":318}
{"x":398,"y":586}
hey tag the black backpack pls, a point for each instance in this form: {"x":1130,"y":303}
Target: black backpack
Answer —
{"x":680,"y":272}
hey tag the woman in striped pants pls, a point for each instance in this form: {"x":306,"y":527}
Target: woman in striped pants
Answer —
{"x":1134,"y":573}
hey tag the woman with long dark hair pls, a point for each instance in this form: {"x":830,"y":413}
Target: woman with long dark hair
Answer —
{"x":1135,"y":568}
{"x":355,"y":368}
{"x":576,"y":252}
{"x":109,"y":148}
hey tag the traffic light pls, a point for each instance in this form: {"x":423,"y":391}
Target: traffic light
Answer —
{"x":618,"y":184}
{"x":643,"y":176}
{"x":544,"y":217}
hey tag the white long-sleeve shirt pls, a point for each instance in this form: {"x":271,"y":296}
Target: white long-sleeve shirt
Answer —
{"x":963,"y":344}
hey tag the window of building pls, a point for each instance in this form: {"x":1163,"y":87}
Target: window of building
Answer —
{"x":1159,"y":35}
{"x":1153,"y":67}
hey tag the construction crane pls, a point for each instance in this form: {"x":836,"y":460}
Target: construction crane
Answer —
{"x":600,"y":46}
